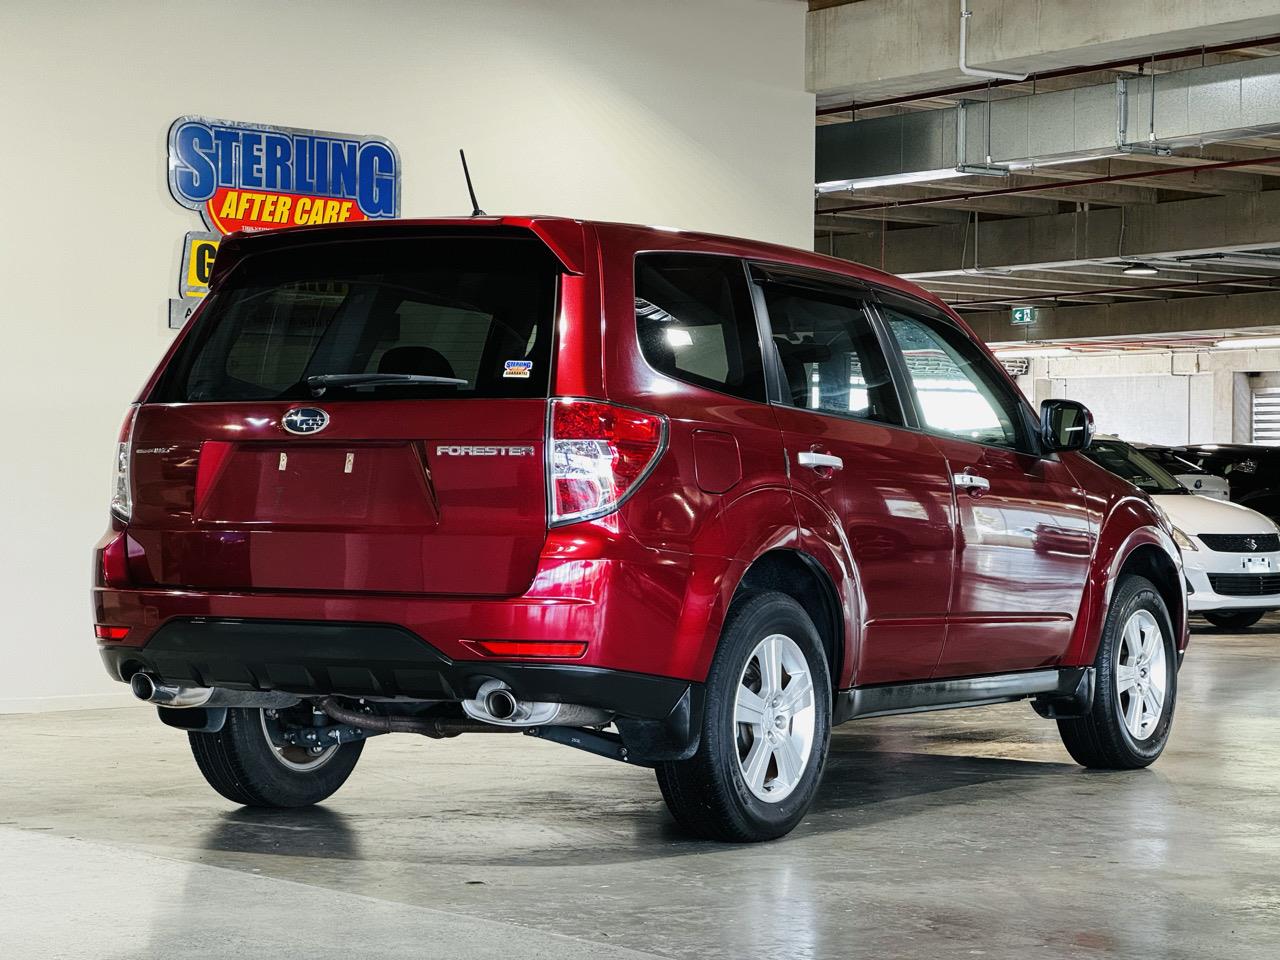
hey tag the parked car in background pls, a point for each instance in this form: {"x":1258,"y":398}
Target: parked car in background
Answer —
{"x":1252,"y":470}
{"x":1230,"y":554}
{"x":1195,"y":479}
{"x":682,"y":501}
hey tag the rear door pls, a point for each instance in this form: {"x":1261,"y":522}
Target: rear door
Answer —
{"x":847,"y":448}
{"x":1023,"y":537}
{"x":249,"y":477}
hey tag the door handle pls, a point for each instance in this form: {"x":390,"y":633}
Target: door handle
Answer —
{"x":971,"y":482}
{"x":818,"y":461}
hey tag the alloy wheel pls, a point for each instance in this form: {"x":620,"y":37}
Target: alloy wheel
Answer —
{"x":775,"y":718}
{"x":1141,"y":674}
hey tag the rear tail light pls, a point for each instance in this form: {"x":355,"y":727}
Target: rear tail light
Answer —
{"x":597,"y":455}
{"x":114,"y":560}
{"x":104,"y":631}
{"x":121,"y":486}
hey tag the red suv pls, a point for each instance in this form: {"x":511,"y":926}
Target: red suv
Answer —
{"x":679,"y":500}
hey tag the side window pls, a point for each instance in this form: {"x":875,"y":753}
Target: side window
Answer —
{"x":955,"y":388}
{"x":695,"y":321}
{"x":829,"y":355}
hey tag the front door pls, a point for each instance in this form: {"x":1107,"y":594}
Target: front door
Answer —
{"x":1023,"y":540}
{"x":860,"y":479}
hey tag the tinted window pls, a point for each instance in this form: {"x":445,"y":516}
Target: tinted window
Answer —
{"x":475,"y":309}
{"x":695,"y":322}
{"x":1140,"y":470}
{"x":956,"y":389}
{"x":1170,"y":461}
{"x":829,"y":355}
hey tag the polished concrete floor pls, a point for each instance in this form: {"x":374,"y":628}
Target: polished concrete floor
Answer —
{"x":958,"y":834}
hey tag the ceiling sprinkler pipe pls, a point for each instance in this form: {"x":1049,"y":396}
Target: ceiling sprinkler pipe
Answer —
{"x":965,"y":14}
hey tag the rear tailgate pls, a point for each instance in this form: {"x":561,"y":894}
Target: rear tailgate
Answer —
{"x":425,"y":496}
{"x":248,"y":474}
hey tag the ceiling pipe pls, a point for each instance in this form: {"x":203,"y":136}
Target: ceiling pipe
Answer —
{"x":1049,"y":75}
{"x":1055,"y":185}
{"x":965,"y":14}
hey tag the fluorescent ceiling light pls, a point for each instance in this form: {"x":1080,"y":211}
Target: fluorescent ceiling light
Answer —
{"x":1241,"y":343}
{"x":1139,"y":270}
{"x":914,"y":176}
{"x":891,"y":180}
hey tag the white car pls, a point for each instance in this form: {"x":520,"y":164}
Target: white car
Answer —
{"x":1194,"y":478}
{"x":1230,"y":554}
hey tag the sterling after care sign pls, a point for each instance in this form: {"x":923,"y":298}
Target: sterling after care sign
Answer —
{"x":248,"y":176}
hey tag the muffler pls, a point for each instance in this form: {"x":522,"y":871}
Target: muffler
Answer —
{"x":497,"y":703}
{"x":153,"y":690}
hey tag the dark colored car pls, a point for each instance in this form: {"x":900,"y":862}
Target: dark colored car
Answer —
{"x":1195,"y":479}
{"x":679,"y":500}
{"x":1252,"y":470}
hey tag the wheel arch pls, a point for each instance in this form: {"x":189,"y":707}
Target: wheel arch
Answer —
{"x":800,"y":576}
{"x":1133,"y":540}
{"x":1148,"y":560}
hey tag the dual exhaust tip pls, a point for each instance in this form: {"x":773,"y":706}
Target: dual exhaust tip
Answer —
{"x":494,"y":703}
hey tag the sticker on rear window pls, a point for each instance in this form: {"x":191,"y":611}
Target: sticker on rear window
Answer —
{"x":517,"y":368}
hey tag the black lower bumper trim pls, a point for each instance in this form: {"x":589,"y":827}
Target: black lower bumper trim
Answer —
{"x":313,"y":658}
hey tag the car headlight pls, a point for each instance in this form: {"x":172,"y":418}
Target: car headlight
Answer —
{"x":1182,"y":540}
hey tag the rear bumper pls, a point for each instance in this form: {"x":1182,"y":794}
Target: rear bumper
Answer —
{"x":659,"y":718}
{"x":370,"y":660}
{"x":639,"y":611}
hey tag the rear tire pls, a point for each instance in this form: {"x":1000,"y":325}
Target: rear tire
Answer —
{"x":765,"y":728}
{"x":1233,"y":619}
{"x":1136,"y":684}
{"x":242,"y":763}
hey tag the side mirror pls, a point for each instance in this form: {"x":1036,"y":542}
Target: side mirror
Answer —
{"x":1065,"y":425}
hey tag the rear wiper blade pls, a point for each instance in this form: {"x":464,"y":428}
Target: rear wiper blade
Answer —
{"x":320,"y":383}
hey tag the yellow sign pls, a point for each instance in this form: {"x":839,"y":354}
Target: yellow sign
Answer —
{"x":198,"y":251}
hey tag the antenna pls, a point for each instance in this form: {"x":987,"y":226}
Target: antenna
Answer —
{"x":475,"y":207}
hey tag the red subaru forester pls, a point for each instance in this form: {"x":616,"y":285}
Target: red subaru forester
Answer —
{"x":675,"y":499}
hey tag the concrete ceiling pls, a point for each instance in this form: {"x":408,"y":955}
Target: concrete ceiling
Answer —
{"x":1058,"y":238}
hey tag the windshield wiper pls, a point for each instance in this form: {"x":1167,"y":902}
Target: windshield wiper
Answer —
{"x":322,"y":382}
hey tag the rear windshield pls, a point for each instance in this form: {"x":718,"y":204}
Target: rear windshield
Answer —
{"x":473,"y":309}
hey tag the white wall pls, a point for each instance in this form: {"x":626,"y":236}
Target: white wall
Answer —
{"x":1160,"y":409}
{"x":1187,"y":396}
{"x":688,"y":113}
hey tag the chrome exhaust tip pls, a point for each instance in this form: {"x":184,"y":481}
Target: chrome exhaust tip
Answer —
{"x":501,"y":704}
{"x":497,"y":703}
{"x":143,"y":687}
{"x":151,"y":689}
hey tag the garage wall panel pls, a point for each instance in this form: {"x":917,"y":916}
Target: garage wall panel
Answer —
{"x":1146,"y":409}
{"x":690,"y":113}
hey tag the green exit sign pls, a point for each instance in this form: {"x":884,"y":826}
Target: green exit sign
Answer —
{"x":1024,"y":315}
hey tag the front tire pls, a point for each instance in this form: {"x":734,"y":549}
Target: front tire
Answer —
{"x":242,"y":763}
{"x":765,"y":729}
{"x":1136,"y":684}
{"x":1233,"y":619}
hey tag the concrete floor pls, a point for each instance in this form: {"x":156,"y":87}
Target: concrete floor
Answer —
{"x":966,"y":833}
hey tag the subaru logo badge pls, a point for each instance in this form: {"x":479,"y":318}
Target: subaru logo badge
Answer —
{"x":305,"y":420}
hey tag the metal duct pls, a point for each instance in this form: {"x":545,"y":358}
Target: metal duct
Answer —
{"x":1134,"y":114}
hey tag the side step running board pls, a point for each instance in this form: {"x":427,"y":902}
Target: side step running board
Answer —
{"x":1059,"y":693}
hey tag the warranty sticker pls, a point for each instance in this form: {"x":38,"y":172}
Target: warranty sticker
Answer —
{"x":517,"y":368}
